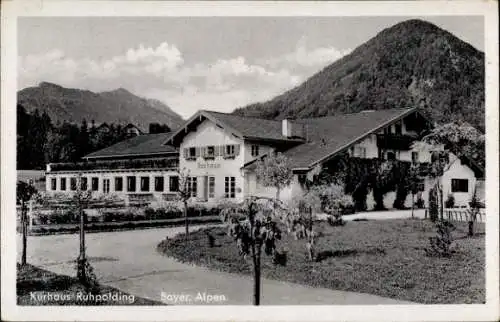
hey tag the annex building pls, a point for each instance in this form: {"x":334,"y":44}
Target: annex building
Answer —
{"x":218,"y":151}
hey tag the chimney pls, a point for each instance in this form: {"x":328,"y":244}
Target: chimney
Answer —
{"x":286,"y":128}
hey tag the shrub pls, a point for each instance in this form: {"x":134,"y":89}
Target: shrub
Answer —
{"x":440,"y":245}
{"x":450,"y":201}
{"x":420,"y":203}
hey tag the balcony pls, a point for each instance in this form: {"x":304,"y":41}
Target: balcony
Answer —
{"x":395,"y":141}
{"x":163,"y":164}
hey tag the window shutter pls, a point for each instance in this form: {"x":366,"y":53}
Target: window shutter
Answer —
{"x":237,"y":150}
{"x":197,"y":152}
{"x":185,"y":153}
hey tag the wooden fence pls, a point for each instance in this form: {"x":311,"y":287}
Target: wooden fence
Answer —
{"x":463,"y":214}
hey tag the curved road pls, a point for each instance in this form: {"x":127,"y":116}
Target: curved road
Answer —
{"x":128,"y":261}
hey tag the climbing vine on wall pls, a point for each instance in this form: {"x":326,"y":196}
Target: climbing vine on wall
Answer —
{"x":360,"y":176}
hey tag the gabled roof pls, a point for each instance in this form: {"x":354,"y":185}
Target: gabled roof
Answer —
{"x":244,"y":127}
{"x":327,"y":136}
{"x":147,"y":145}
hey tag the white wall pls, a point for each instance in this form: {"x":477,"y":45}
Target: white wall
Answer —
{"x":458,"y":171}
{"x":263,"y":149}
{"x":207,"y":134}
{"x":286,"y":194}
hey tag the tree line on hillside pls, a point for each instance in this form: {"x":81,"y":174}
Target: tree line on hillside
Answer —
{"x":40,"y":141}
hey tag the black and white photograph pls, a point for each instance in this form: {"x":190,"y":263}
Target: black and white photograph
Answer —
{"x":233,"y":158}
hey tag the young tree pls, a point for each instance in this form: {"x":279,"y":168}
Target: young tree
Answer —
{"x":184,"y":194}
{"x":259,"y":229}
{"x":412,"y":179}
{"x":81,"y":199}
{"x":300,"y":220}
{"x":274,"y":171}
{"x":24,"y":194}
{"x":473,"y":212}
{"x":459,"y":138}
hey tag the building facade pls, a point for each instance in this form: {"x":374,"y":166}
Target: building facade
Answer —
{"x":217,"y":152}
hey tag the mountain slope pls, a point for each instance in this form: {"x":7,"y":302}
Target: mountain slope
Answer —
{"x":413,"y":63}
{"x":118,"y":106}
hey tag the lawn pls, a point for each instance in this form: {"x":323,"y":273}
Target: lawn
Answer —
{"x":384,"y":257}
{"x":36,"y":286}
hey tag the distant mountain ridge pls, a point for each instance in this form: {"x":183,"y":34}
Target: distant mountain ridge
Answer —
{"x":116,"y":106}
{"x":413,"y":63}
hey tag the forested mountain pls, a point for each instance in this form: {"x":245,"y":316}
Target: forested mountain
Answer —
{"x":75,"y":105}
{"x":413,"y":63}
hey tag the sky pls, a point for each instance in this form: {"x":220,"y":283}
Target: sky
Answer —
{"x":192,"y":63}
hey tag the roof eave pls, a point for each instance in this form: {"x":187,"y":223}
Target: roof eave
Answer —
{"x":128,"y":154}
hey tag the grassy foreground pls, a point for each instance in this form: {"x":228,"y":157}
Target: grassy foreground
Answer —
{"x":36,"y":286}
{"x":385,"y":258}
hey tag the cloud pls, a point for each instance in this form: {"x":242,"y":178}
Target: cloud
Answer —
{"x":162,"y":73}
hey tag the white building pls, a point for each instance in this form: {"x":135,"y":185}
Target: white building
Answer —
{"x":140,"y":167}
{"x":218,"y":151}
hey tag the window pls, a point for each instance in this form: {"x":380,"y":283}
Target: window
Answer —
{"x":192,"y":186}
{"x":459,"y":185}
{"x":53,"y":184}
{"x":118,"y":184}
{"x":209,"y":152}
{"x":211,"y":187}
{"x":131,"y":183}
{"x":231,"y":150}
{"x":95,"y":184}
{"x":105,"y":185}
{"x":398,"y":128}
{"x":144,"y":183}
{"x":191,"y":155}
{"x":159,"y":182}
{"x":255,"y":150}
{"x":414,"y":157}
{"x":173,"y":183}
{"x":230,"y":187}
{"x":83,"y":184}
{"x":391,"y":156}
{"x":63,"y":184}
{"x":360,"y":152}
{"x":72,"y":184}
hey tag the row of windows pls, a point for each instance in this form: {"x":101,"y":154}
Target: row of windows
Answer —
{"x":212,"y":151}
{"x":144,"y":184}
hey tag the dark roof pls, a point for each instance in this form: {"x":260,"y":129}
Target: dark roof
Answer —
{"x":139,"y":145}
{"x":329,"y":135}
{"x":248,"y":128}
